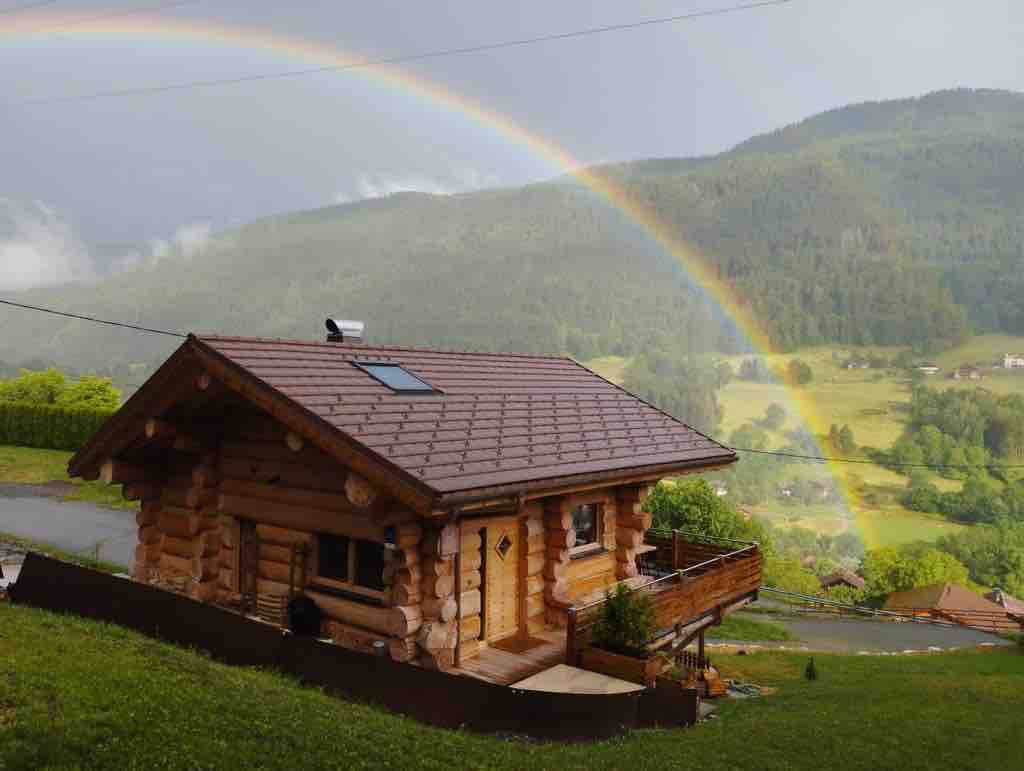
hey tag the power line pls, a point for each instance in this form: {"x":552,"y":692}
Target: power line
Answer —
{"x":775,"y":453}
{"x":402,"y":59}
{"x":91,"y":319}
{"x":869,"y":462}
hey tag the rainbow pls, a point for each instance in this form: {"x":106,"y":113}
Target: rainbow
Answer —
{"x":101,"y":24}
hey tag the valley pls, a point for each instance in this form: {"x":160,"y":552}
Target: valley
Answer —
{"x":874,"y":404}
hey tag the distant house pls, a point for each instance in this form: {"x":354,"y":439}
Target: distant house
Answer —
{"x":1013,"y":361}
{"x":842,"y":578}
{"x":858,"y":364}
{"x":1014,"y":608}
{"x":966,"y":372}
{"x":928,"y":368}
{"x":822,"y":490}
{"x":953,"y":603}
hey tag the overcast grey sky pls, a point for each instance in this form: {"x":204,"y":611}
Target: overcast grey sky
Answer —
{"x":140,"y":168}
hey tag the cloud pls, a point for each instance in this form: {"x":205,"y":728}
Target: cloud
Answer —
{"x":188,"y":241}
{"x":380,"y":186}
{"x":38,"y":248}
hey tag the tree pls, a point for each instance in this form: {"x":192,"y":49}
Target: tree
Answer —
{"x":749,"y":437}
{"x":754,"y":370}
{"x":921,"y":494}
{"x":692,"y":505}
{"x":799,"y":372}
{"x":879,"y":569}
{"x":724,"y":374}
{"x":790,"y":576}
{"x":43,"y":387}
{"x":890,"y":570}
{"x":847,"y":445}
{"x":774,"y":417}
{"x":90,"y":391}
{"x":930,"y":566}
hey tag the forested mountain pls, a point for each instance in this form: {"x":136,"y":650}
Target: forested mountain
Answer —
{"x":894,"y":222}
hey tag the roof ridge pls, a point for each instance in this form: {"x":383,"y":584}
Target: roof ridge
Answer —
{"x":373,"y":346}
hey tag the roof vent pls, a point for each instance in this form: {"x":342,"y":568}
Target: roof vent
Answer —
{"x":341,"y":331}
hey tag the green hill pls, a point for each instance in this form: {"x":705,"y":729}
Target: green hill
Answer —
{"x":80,"y":694}
{"x":876,"y":224}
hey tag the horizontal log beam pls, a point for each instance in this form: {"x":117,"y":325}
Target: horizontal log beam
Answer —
{"x":299,"y":518}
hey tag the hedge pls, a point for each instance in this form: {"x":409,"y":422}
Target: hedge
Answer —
{"x":46,"y":426}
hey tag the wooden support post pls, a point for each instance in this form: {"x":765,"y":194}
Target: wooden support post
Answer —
{"x":570,"y":638}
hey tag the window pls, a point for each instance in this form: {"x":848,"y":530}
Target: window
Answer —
{"x":395,"y":377}
{"x":332,"y":557}
{"x":350,"y":564}
{"x":586,"y":521}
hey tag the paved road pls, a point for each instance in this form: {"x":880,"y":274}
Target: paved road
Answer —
{"x":851,"y":635}
{"x":72,"y":526}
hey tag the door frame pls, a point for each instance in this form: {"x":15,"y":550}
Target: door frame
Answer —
{"x":517,"y":529}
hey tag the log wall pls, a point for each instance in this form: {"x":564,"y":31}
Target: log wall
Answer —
{"x":438,"y":608}
{"x":533,"y":568}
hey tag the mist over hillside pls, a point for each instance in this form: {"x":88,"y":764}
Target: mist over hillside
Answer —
{"x":884,"y":223}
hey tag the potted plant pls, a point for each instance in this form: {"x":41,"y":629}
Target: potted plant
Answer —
{"x":618,"y":642}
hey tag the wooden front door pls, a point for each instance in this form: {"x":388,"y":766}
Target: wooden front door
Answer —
{"x":501,"y":578}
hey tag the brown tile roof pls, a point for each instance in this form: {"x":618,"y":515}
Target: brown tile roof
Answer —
{"x":954,"y":603}
{"x":842,"y":577}
{"x":1012,"y":605}
{"x":501,"y":420}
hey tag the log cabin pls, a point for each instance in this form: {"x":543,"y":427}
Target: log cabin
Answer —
{"x":446,"y":509}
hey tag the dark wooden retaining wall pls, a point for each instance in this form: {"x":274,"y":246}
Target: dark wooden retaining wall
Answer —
{"x":437,"y":698}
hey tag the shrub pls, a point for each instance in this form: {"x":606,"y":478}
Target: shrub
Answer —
{"x":47,"y":426}
{"x":627,"y":622}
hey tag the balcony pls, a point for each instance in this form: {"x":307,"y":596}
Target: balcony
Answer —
{"x":694,"y":580}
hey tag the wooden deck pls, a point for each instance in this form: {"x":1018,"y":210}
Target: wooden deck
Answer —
{"x":504,"y":668}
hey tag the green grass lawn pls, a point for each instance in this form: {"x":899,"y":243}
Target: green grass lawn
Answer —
{"x":78,"y":694}
{"x":738,"y":626}
{"x":26,"y":465}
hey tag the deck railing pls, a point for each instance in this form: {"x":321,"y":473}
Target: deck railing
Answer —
{"x":695,"y":577}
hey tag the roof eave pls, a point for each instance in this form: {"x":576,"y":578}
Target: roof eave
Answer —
{"x":87,"y":461}
{"x":332,"y":440}
{"x":556,"y":484}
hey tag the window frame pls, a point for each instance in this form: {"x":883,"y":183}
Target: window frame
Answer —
{"x":348,"y":586}
{"x":597,"y":545}
{"x":365,"y":365}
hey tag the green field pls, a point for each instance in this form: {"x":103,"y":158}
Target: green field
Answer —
{"x":873,"y":403}
{"x":26,"y":465}
{"x":739,"y":626}
{"x":78,"y":694}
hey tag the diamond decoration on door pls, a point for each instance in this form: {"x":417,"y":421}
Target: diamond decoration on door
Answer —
{"x":503,"y":545}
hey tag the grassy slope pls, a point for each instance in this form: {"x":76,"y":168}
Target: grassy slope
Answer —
{"x":78,"y":694}
{"x":25,"y":465}
{"x":738,"y":626}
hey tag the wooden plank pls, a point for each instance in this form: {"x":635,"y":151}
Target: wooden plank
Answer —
{"x":299,"y":518}
{"x":295,"y":496}
{"x":284,"y":474}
